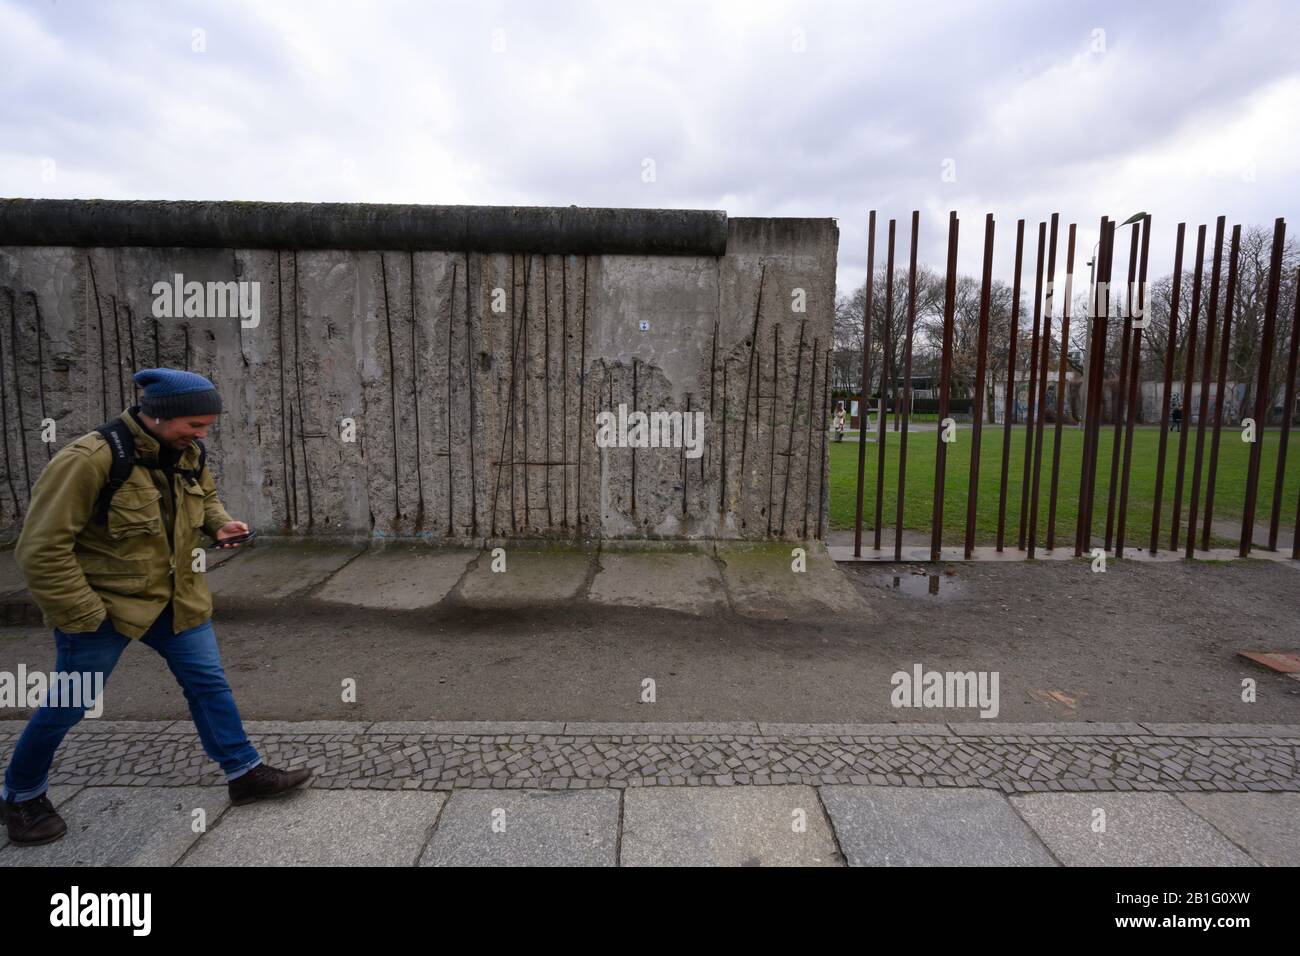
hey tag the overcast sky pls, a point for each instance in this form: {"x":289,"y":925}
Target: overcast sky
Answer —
{"x":1184,"y":110}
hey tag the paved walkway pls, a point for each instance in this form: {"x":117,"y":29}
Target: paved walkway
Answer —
{"x":407,"y":793}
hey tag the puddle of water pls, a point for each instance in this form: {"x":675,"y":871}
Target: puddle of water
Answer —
{"x":919,"y":583}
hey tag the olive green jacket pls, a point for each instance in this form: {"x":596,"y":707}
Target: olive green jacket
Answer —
{"x":79,"y":570}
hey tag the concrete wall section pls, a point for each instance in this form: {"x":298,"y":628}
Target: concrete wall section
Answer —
{"x":470,"y":423}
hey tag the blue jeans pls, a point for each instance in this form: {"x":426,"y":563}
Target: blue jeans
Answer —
{"x":194,"y":660}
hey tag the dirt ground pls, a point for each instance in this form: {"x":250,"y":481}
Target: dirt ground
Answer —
{"x":1155,"y":642}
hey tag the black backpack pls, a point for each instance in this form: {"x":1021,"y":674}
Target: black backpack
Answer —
{"x":121,"y":441}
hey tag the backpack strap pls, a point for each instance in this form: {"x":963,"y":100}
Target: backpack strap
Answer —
{"x":122,"y":444}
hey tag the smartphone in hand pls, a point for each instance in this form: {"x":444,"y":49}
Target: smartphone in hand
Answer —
{"x":231,"y":542}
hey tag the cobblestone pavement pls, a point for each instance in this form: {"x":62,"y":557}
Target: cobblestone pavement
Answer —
{"x":450,"y":756}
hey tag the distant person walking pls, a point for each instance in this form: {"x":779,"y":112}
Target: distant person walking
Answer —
{"x":1176,"y":419}
{"x":839,"y":421}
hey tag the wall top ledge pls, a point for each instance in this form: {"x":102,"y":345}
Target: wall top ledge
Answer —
{"x":272,"y":225}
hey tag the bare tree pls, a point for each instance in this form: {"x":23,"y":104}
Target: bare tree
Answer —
{"x":1255,"y":258}
{"x":848,"y":323}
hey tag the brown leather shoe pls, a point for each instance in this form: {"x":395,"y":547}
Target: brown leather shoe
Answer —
{"x":32,"y":822}
{"x":263,"y":781}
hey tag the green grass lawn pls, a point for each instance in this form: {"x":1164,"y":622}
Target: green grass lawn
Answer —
{"x":1229,"y":494}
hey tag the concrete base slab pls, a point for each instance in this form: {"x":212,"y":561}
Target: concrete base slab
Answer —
{"x":913,"y":553}
{"x":530,"y":577}
{"x":323,"y":828}
{"x":886,"y":826}
{"x":1265,"y":825}
{"x":125,"y":826}
{"x":726,"y":826}
{"x":526,"y":828}
{"x":1142,"y":829}
{"x":222,"y":555}
{"x":17,"y":606}
{"x":59,"y":795}
{"x":676,"y":582}
{"x":762,"y":583}
{"x":271,"y":571}
{"x":397,"y":578}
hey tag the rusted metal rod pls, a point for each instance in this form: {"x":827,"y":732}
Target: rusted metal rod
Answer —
{"x":1263,"y":395}
{"x":945,"y":373}
{"x":977,"y":406}
{"x":1224,"y":353}
{"x":1013,"y":333}
{"x":1121,"y":393}
{"x":1288,"y":410}
{"x":866,"y":383}
{"x":1194,"y":499}
{"x":1101,"y":384}
{"x":885,"y":382}
{"x":1094,"y":317}
{"x":1062,"y":394}
{"x":1142,"y":321}
{"x":1032,"y":397}
{"x":1093,"y":423}
{"x":1165,"y":393}
{"x":907,"y":387}
{"x":1189,"y":364}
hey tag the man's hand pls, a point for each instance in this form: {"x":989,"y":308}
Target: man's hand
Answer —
{"x":230,"y":530}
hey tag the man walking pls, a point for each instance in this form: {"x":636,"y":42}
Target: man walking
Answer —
{"x":111,"y":566}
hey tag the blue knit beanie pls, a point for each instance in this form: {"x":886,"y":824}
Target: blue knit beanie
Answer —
{"x":172,"y":393}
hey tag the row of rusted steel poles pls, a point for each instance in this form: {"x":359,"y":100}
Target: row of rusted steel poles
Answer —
{"x":1136,"y":318}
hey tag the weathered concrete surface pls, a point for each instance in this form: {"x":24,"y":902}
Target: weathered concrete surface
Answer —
{"x":11,"y":576}
{"x":1265,"y":825}
{"x":529,"y":578}
{"x":473,"y":380}
{"x":322,"y":828}
{"x":887,"y":826}
{"x":277,"y":572}
{"x":724,"y":826}
{"x":762,"y":582}
{"x":1142,"y":829}
{"x":125,"y":826}
{"x":400,"y":577}
{"x":526,"y":828}
{"x":686,"y":582}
